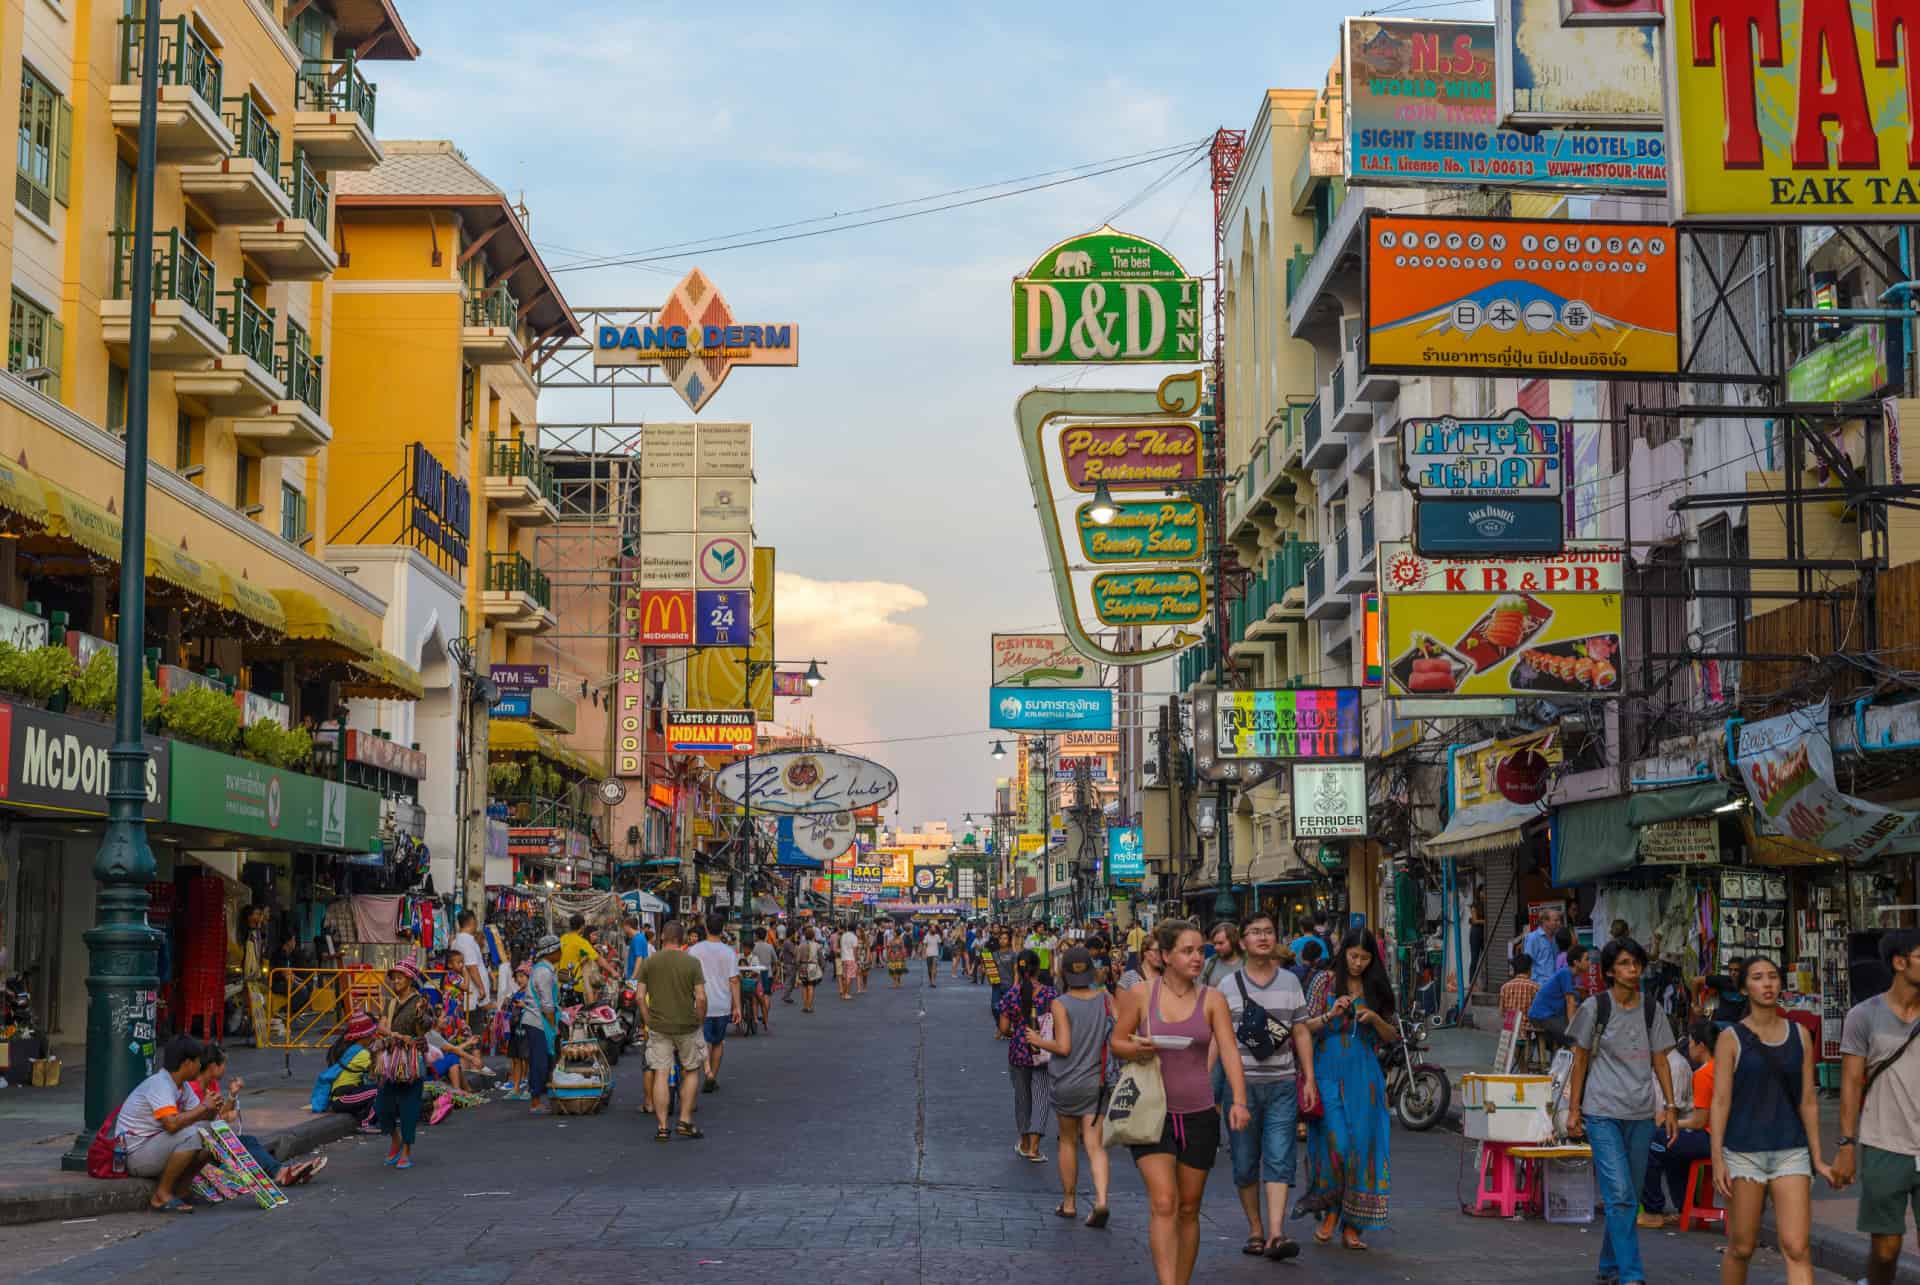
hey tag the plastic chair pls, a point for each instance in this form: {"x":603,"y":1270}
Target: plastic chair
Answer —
{"x":1506,"y":1182}
{"x":1698,"y":1213}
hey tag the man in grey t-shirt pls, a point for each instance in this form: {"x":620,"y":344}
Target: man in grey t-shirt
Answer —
{"x":1263,"y":1152}
{"x":1886,"y":1113}
{"x":1617,"y":1067}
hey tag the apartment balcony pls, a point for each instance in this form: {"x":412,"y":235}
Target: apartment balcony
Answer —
{"x":1372,"y":385}
{"x":519,"y":483}
{"x":1347,"y":413}
{"x":1321,"y":162}
{"x":1369,"y":538}
{"x":1351,"y":575}
{"x":188,"y":124}
{"x":242,"y":380}
{"x":1320,"y":449}
{"x":186,"y":330}
{"x":333,"y":115}
{"x":1288,"y":435}
{"x":1287,"y":572}
{"x":490,"y":330}
{"x":244,"y":187}
{"x":296,"y":423}
{"x":1321,"y":603}
{"x":295,"y":248}
{"x":515,"y":596}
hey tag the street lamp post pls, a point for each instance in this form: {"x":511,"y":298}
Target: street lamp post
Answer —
{"x":748,"y":835}
{"x":123,"y":949}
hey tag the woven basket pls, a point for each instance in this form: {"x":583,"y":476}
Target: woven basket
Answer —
{"x":588,"y":1101}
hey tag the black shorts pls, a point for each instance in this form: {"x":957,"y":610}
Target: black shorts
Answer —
{"x":1192,"y":1139}
{"x":517,"y":1045}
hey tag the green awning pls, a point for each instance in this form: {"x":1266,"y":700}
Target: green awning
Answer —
{"x":1591,"y":840}
{"x":1650,"y":807}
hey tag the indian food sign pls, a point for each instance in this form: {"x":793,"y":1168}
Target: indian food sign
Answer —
{"x":1792,"y":110}
{"x":1546,"y":626}
{"x":1106,"y":297}
{"x":1521,"y":296}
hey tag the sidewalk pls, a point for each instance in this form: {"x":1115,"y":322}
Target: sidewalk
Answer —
{"x":1837,"y":1246}
{"x":37,"y":1126}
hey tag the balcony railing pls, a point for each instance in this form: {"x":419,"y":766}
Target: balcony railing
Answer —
{"x":249,"y":326}
{"x":1340,"y":551}
{"x":253,"y":134}
{"x":1311,"y":433}
{"x":308,"y":192}
{"x":1297,"y":269}
{"x":1339,"y":386}
{"x":1366,"y":532}
{"x":185,"y":58}
{"x":299,"y":369}
{"x":180,"y":271}
{"x":1316,"y":577}
{"x":493,"y":307}
{"x":514,"y":457}
{"x":512,"y":573}
{"x":334,"y":85}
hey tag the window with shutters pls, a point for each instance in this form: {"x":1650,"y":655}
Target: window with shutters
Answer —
{"x":46,"y":146}
{"x":117,"y":400}
{"x":33,"y":344}
{"x":186,"y":448}
{"x":293,"y":514}
{"x":246,"y":484}
{"x":309,"y":32}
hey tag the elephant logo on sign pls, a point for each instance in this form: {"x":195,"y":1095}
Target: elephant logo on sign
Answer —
{"x":1072,"y":263}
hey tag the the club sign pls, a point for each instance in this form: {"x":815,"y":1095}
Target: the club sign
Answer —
{"x":799,"y":782}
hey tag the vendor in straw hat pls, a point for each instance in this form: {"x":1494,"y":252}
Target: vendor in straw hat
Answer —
{"x":402,"y":1049}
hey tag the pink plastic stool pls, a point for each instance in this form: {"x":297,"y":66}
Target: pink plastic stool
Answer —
{"x":1506,"y":1183}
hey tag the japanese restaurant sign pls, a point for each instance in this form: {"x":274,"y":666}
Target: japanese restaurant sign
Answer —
{"x":1130,"y":457}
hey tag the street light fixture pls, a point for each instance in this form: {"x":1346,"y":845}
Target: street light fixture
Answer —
{"x":814,"y":676}
{"x":1103,"y":510}
{"x":999,"y":749}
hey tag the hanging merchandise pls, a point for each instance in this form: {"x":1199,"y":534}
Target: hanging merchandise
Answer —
{"x":1752,"y":916}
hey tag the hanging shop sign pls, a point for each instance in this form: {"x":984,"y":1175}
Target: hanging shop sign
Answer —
{"x":1480,"y":811}
{"x":723,"y":562}
{"x":512,"y":705}
{"x":216,"y":791}
{"x":1106,"y":297}
{"x":1329,"y":800}
{"x":723,"y":504}
{"x":1130,"y":457}
{"x":710,"y":731}
{"x":823,"y":836}
{"x":1611,"y":13}
{"x":662,"y":795}
{"x":717,"y":677}
{"x":1284,"y":723}
{"x":1420,"y":108}
{"x":53,"y":763}
{"x":1040,"y":660}
{"x":1812,"y":127}
{"x":24,"y":631}
{"x":665,"y":617}
{"x":1032,"y":843}
{"x":1370,"y":639}
{"x":439,"y":504}
{"x":1852,"y":368}
{"x":696,"y":341}
{"x":1021,"y":709}
{"x":666,"y":560}
{"x":1688,"y":841}
{"x":1126,"y":854}
{"x":1582,"y":76}
{"x":1787,"y":765}
{"x":630,"y":673}
{"x":1522,"y":297}
{"x":805,"y":781}
{"x":791,"y":682}
{"x":1068,"y":766}
{"x":670,"y":450}
{"x":1503,"y":627}
{"x":1143,"y":531}
{"x":533,"y":841}
{"x":386,"y":755}
{"x":1488,"y":528}
{"x":1149,"y":598}
{"x":521,"y":676}
{"x":722,"y":617}
{"x":1514,"y":456}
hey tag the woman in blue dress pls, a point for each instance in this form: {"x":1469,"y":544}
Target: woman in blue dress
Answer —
{"x":1348,"y":1147}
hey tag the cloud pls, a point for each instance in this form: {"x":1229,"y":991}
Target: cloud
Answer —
{"x":851,"y":615}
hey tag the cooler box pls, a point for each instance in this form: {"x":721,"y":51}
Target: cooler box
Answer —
{"x":1507,"y":1108}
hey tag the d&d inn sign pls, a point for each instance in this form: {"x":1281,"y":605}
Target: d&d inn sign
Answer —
{"x":1106,"y":296}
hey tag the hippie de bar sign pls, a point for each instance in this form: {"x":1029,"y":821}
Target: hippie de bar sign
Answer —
{"x":1485,"y":486}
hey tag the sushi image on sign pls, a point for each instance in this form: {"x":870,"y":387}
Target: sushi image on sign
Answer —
{"x":1547,"y":626}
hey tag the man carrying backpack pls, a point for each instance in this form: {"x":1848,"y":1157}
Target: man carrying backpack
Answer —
{"x":1620,"y":1045}
{"x":1268,"y":1009}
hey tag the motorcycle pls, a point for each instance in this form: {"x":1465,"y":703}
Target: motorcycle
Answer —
{"x":602,"y":1022}
{"x":1419,"y":1092}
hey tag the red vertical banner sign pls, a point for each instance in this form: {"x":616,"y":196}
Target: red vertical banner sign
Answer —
{"x":630,"y":688}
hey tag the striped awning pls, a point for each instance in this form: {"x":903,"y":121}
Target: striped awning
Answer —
{"x":83,"y":522}
{"x":170,"y":564}
{"x":244,"y":598}
{"x":309,"y":618}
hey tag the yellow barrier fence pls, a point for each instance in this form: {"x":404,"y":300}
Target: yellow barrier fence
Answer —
{"x":308,"y":1008}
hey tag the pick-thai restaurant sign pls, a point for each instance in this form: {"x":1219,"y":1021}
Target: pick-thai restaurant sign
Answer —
{"x":1130,"y":457}
{"x":1421,"y":108}
{"x":1143,"y":531}
{"x":1040,"y":660}
{"x":1550,"y":73}
{"x":1791,"y":111}
{"x":805,"y":781}
{"x":1106,"y":297}
{"x":1520,"y":296}
{"x":1329,"y":800}
{"x":1548,"y":626}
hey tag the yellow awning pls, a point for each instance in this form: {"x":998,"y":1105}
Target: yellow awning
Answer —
{"x":308,"y":617}
{"x":384,"y":676}
{"x":82,"y":521}
{"x":513,"y":736}
{"x":22,"y":493}
{"x":170,"y":564}
{"x":244,"y":598}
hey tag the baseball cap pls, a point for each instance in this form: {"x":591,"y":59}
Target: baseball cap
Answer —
{"x":1076,"y":966}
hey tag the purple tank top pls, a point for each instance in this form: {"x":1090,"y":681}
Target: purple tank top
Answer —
{"x":1184,"y":1071}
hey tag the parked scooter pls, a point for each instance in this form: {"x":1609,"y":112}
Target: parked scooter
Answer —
{"x":602,"y":1022}
{"x":1418,"y":1091}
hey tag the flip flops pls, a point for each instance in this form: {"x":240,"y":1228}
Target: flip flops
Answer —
{"x":1256,"y":1247}
{"x":1098,"y":1218}
{"x":174,"y":1206}
{"x":1280,"y":1248}
{"x":1061,"y":1211}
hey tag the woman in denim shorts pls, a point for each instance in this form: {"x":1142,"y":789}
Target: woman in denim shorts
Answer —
{"x":1765,"y":1126}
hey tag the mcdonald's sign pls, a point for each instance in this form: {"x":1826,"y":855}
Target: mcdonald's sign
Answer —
{"x":666,"y":617}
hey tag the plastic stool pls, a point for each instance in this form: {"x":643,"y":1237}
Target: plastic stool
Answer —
{"x":1506,"y":1182}
{"x":1700,"y":1213}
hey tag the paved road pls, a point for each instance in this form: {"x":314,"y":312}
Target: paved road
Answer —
{"x":870,"y":1142}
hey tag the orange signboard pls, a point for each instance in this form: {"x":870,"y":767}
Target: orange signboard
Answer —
{"x":1521,"y":297}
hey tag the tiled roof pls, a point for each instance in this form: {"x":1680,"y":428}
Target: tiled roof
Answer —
{"x":417,"y":167}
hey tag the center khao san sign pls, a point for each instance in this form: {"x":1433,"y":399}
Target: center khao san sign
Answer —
{"x":1106,"y":297}
{"x":1793,"y":110}
{"x":696,"y":341}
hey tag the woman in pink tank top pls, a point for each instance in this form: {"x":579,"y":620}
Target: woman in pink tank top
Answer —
{"x":1175,"y":1168}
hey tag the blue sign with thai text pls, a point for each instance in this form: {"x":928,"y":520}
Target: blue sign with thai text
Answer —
{"x":1126,"y":854}
{"x":722,"y":617}
{"x":1026,"y":709}
{"x":1488,"y":528}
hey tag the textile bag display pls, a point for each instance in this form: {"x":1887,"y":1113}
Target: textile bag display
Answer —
{"x":398,"y":1060}
{"x":1137,"y":1112}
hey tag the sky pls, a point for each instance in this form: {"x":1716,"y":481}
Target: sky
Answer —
{"x":888,"y":469}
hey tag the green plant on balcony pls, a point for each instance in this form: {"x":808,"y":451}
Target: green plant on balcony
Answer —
{"x":503,"y":777}
{"x":203,"y":716}
{"x":38,"y":673}
{"x":268,"y":742}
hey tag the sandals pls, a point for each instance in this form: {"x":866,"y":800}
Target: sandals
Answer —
{"x":1357,"y":1245}
{"x":1098,"y":1218}
{"x":1281,"y":1248}
{"x":1256,"y":1247}
{"x":1061,"y":1211}
{"x":686,"y":1130}
{"x":662,"y":1134}
{"x":174,"y":1206}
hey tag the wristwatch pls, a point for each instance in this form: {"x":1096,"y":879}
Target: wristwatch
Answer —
{"x":1846,"y":1141}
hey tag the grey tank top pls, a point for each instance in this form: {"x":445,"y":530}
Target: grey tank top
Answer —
{"x":1090,"y":1026}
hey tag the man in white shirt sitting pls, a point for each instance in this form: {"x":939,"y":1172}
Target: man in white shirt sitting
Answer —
{"x":157,"y":1127}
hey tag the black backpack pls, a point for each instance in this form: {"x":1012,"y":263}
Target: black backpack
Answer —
{"x":1604,"y":1013}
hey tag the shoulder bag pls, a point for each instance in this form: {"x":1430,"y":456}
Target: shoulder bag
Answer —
{"x":1137,"y":1112}
{"x":1884,"y":1064}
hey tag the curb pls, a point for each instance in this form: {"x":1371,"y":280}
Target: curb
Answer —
{"x":95,"y":1198}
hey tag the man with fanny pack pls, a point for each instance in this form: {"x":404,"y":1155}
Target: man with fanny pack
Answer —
{"x":1275,"y":1052}
{"x":1880,"y":1103}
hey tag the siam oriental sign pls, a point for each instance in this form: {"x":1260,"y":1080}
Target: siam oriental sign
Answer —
{"x":1793,"y":110}
{"x":1106,"y":297}
{"x":696,"y":341}
{"x":1130,"y":457}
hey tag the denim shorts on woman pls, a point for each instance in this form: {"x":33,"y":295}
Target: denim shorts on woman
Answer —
{"x":1764,"y":1166}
